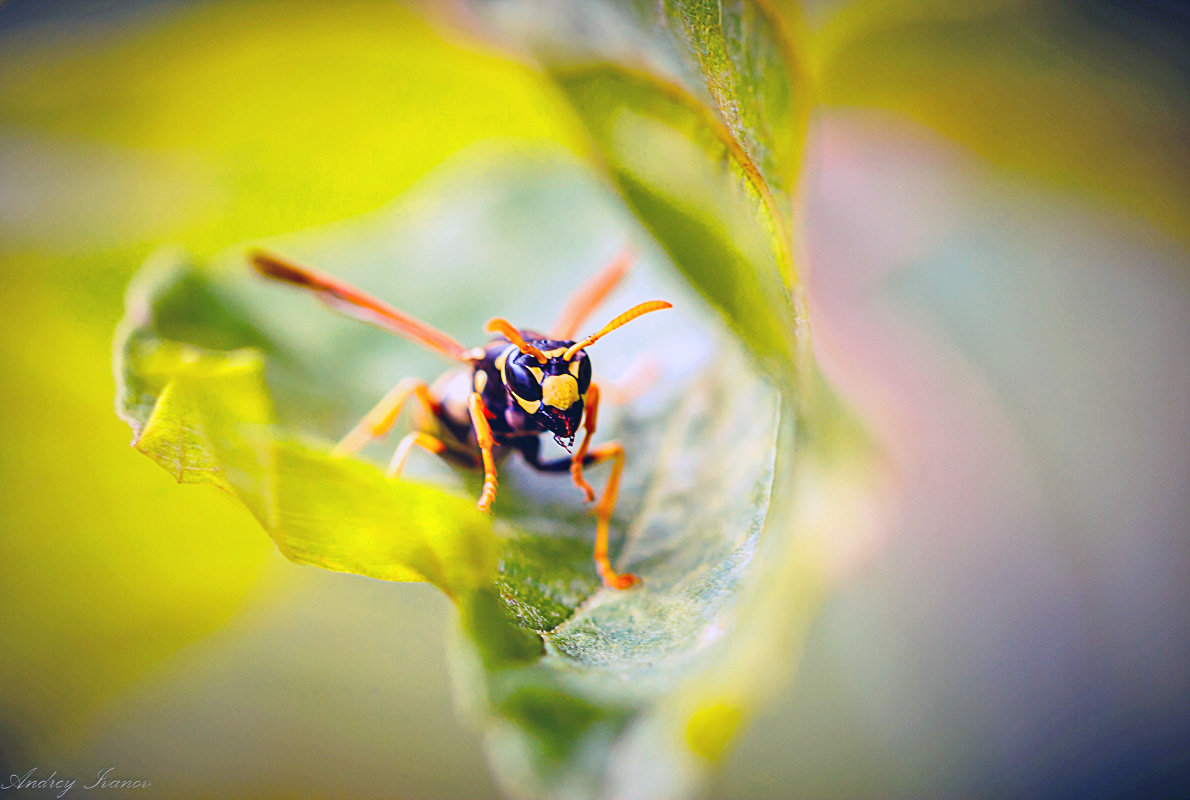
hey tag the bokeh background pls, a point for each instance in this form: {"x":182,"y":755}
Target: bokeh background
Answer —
{"x":994,"y":221}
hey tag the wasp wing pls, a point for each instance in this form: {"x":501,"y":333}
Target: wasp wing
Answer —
{"x":351,"y":301}
{"x":590,"y":295}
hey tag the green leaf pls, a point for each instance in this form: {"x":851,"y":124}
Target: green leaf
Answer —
{"x":568,"y":674}
{"x":697,"y":112}
{"x":205,"y":415}
{"x":697,"y":499}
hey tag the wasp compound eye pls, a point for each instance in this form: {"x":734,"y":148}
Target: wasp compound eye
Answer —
{"x":580,"y":368}
{"x":522,"y":381}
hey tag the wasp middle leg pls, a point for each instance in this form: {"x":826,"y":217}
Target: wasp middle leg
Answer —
{"x":483,"y":436}
{"x":383,"y":415}
{"x":603,"y":513}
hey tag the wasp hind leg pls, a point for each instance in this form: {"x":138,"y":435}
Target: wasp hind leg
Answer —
{"x":640,"y":376}
{"x":383,"y":416}
{"x":417,"y":438}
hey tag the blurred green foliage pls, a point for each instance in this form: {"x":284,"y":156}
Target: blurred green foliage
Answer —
{"x":1088,"y":96}
{"x":698,"y":115}
{"x":200,"y":127}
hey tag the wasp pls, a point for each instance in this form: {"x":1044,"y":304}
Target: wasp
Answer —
{"x":514,"y":389}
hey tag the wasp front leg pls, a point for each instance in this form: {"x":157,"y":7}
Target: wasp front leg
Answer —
{"x":483,"y":435}
{"x":580,"y":454}
{"x":383,"y":416}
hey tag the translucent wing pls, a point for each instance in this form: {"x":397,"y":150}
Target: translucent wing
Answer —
{"x":590,"y":295}
{"x":351,"y":301}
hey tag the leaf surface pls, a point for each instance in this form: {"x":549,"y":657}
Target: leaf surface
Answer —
{"x":217,"y":391}
{"x":697,"y":117}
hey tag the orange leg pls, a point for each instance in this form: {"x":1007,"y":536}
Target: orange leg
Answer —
{"x":420,"y":439}
{"x":590,"y":295}
{"x":603,"y":513}
{"x":483,"y":434}
{"x":576,"y":462}
{"x":383,"y":416}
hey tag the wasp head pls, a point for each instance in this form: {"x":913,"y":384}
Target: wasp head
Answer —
{"x":554,"y":392}
{"x":549,"y":378}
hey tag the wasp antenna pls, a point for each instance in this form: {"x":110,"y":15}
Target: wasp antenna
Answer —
{"x":620,"y":321}
{"x":503,"y":326}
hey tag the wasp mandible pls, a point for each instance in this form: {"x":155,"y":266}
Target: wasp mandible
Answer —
{"x":518,"y":386}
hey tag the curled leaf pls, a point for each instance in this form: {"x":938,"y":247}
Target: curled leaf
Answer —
{"x":244,"y":385}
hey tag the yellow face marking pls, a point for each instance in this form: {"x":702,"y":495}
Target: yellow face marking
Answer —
{"x":573,"y":368}
{"x":530,"y":406}
{"x":537,"y":373}
{"x":557,"y":351}
{"x":503,"y":357}
{"x":559,"y":391}
{"x":481,"y":381}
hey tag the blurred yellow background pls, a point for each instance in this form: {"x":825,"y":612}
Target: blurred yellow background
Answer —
{"x":124,"y":127}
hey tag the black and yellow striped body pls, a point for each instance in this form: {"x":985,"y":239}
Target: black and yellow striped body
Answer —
{"x":523,"y":397}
